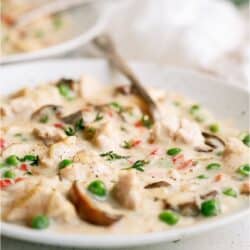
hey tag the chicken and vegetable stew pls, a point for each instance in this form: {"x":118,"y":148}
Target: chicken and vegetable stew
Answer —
{"x":78,"y":156}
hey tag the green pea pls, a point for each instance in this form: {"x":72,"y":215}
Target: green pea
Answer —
{"x":246,"y":140}
{"x":64,"y":163}
{"x":230,"y":192}
{"x":9,"y":174}
{"x":169,"y":217}
{"x":97,"y":188}
{"x":65,"y":91}
{"x":194,"y":108}
{"x":213,"y":166}
{"x":214,"y":128}
{"x":40,"y":222}
{"x":202,"y":176}
{"x":173,"y":151}
{"x":146,"y":121}
{"x":12,"y":160}
{"x":244,"y":170}
{"x":210,"y":208}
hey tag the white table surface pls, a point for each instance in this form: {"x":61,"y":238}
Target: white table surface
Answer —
{"x":233,"y":237}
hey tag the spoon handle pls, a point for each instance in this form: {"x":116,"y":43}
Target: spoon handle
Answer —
{"x":105,"y":43}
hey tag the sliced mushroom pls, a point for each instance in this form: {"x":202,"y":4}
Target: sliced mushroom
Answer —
{"x":47,"y":111}
{"x":213,"y":141}
{"x":157,"y":184}
{"x":189,"y":209}
{"x":88,"y":209}
{"x":245,"y":188}
{"x":72,"y":118}
{"x":209,"y":195}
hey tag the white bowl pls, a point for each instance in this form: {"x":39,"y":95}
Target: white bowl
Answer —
{"x":87,"y":21}
{"x":226,"y":101}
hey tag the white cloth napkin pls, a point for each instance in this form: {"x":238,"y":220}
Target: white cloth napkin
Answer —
{"x":208,"y":35}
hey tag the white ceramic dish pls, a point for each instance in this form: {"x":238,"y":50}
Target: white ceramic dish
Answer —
{"x":226,"y":101}
{"x":92,"y":19}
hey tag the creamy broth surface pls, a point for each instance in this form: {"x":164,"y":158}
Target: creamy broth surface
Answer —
{"x":79,"y":157}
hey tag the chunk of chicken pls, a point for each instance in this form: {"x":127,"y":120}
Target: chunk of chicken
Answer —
{"x":22,"y":149}
{"x":74,"y":172}
{"x":49,"y":134}
{"x":235,"y":154}
{"x":190,"y":133}
{"x":65,"y":149}
{"x":45,"y":95}
{"x":31,"y":197}
{"x":127,"y":191}
{"x":88,"y":88}
{"x":107,"y":131}
{"x":24,"y":105}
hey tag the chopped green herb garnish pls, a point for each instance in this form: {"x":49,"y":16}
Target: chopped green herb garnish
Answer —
{"x":44,"y":119}
{"x":65,"y":91}
{"x":220,"y":153}
{"x":9,"y":174}
{"x":64,"y":163}
{"x":98,"y":117}
{"x":146,"y":121}
{"x":246,"y":140}
{"x":214,"y":128}
{"x":210,"y":208}
{"x":69,"y":131}
{"x":230,"y":192}
{"x":18,"y":135}
{"x":33,"y":159}
{"x":169,"y":217}
{"x":40,"y":222}
{"x":177,"y":103}
{"x":116,"y":106}
{"x":110,"y":156}
{"x":138,"y":165}
{"x":244,"y":170}
{"x":199,"y":118}
{"x":127,"y":144}
{"x":97,"y":188}
{"x":57,"y":22}
{"x":173,"y":151}
{"x":213,"y":166}
{"x":12,"y":160}
{"x":202,"y":176}
{"x":79,"y":124}
{"x":39,"y":33}
{"x":2,"y":164}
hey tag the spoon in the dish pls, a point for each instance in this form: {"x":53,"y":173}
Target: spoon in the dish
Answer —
{"x":107,"y":46}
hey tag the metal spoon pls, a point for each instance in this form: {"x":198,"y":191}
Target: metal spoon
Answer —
{"x":107,"y":46}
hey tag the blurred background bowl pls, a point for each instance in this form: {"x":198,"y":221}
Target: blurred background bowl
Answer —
{"x":86,"y":22}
